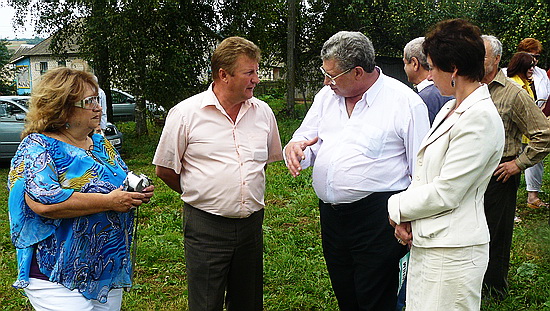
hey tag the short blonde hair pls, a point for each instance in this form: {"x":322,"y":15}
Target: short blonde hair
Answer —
{"x":52,"y":99}
{"x":226,"y":54}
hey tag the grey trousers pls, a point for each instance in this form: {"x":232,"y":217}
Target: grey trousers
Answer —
{"x":224,"y":261}
{"x":533,"y":177}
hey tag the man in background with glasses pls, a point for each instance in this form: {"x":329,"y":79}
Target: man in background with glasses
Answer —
{"x":361,"y":136}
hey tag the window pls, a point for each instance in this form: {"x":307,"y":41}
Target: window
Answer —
{"x":62,"y":63}
{"x":43,"y":67}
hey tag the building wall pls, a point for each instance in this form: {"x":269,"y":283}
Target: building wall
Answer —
{"x":30,"y":69}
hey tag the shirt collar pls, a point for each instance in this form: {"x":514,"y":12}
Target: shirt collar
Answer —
{"x":212,"y":100}
{"x":371,"y":93}
{"x":423,"y":84}
{"x":500,"y":78}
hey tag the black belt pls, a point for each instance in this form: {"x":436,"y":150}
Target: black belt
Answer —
{"x":372,"y":196}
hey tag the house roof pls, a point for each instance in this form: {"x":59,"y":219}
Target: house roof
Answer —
{"x":19,"y":52}
{"x":41,"y":49}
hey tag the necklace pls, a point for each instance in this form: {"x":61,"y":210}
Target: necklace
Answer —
{"x":76,"y":143}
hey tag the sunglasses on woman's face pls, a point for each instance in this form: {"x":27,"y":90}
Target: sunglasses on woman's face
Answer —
{"x":535,"y":56}
{"x":90,"y":103}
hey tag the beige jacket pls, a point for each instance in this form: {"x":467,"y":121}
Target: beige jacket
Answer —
{"x":454,"y":164}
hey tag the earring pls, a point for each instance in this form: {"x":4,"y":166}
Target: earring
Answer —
{"x":67,"y":125}
{"x":453,"y":82}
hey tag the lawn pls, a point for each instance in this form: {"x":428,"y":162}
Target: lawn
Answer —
{"x":295,"y":277}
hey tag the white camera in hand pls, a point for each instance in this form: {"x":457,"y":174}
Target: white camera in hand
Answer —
{"x":136,"y":183}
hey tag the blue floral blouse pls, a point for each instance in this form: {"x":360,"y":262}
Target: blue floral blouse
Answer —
{"x":89,"y":253}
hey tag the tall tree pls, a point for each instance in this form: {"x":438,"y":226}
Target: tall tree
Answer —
{"x":6,"y":79}
{"x":156,"y":49}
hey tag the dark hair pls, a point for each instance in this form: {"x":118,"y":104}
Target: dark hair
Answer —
{"x":519,"y":64}
{"x":456,"y":43}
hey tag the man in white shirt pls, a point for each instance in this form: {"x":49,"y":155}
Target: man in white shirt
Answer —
{"x":361,"y":136}
{"x":416,"y":67}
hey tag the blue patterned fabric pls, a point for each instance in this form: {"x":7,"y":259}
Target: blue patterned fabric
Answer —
{"x":88,"y":253}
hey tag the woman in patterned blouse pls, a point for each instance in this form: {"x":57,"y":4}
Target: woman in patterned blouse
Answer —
{"x":70,"y":220}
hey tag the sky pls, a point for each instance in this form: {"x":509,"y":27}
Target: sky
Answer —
{"x":6,"y":27}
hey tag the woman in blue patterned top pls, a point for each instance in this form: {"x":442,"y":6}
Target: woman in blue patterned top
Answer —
{"x":70,"y":220}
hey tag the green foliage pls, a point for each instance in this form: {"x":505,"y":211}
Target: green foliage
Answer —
{"x":295,"y":276}
{"x":7,"y":86}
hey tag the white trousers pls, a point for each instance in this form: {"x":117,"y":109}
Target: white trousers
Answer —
{"x":533,"y":177}
{"x":445,"y":278}
{"x":50,"y":296}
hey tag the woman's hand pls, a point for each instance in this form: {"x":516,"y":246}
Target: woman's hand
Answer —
{"x":124,"y":201}
{"x":403,"y":233}
{"x":148,"y":192}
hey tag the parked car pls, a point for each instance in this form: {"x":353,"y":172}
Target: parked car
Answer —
{"x":13,"y":110}
{"x":124,"y":107}
{"x":12,"y":120}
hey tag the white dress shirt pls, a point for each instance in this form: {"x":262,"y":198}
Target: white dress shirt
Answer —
{"x":373,"y":150}
{"x":103,"y":102}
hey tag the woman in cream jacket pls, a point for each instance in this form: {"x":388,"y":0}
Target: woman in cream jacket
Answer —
{"x":441,"y":212}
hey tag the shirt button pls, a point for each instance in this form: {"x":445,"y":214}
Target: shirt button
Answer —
{"x":417,"y":177}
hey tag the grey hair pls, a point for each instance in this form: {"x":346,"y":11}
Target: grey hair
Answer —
{"x":349,"y":49}
{"x":495,"y":43}
{"x":414,"y":49}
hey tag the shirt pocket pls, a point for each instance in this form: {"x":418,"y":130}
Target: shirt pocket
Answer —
{"x":370,"y":140}
{"x":258,"y":146}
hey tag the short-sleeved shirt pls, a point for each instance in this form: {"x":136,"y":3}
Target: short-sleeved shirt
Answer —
{"x":221,"y":163}
{"x":88,"y":253}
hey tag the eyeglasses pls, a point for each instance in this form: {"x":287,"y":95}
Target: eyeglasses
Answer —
{"x":331,"y":78}
{"x":90,"y":103}
{"x":535,"y":56}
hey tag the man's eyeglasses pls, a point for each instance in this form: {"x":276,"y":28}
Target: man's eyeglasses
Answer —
{"x":331,"y":78}
{"x":90,"y":103}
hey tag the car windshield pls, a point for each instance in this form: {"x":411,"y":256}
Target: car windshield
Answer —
{"x":22,"y":101}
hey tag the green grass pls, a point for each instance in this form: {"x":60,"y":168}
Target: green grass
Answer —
{"x":295,"y":276}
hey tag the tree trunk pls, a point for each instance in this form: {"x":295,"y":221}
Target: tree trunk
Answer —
{"x":290,"y":64}
{"x":141,"y":117}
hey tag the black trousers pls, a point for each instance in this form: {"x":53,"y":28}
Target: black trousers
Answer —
{"x":361,"y":253}
{"x":500,"y":208}
{"x":223,"y":260}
